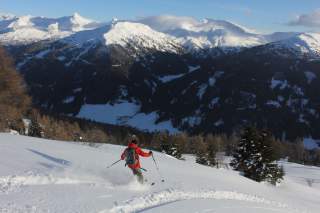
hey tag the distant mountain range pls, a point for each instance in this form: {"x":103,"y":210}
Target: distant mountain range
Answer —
{"x":196,"y":76}
{"x":186,"y":32}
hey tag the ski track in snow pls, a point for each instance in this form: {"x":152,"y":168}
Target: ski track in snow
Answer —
{"x":12,"y":208}
{"x":154,"y":200}
{"x":13,"y":183}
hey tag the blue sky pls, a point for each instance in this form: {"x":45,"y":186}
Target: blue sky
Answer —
{"x":262,"y":15}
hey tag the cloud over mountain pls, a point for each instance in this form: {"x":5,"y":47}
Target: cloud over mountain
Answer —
{"x":308,"y":20}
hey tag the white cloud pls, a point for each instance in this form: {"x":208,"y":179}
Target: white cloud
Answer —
{"x":165,"y":23}
{"x":169,"y":22}
{"x":308,"y":20}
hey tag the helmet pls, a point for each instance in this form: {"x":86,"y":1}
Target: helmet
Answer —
{"x":134,"y":139}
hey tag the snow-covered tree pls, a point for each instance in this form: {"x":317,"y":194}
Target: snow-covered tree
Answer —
{"x":255,"y":158}
{"x":35,"y":128}
{"x":171,"y":148}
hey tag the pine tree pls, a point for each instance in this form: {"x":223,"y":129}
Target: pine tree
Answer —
{"x":35,"y":128}
{"x":201,"y":151}
{"x":170,"y":147}
{"x":271,"y":171}
{"x":214,"y":144}
{"x":242,"y":155}
{"x":255,"y":158}
{"x":274,"y":174}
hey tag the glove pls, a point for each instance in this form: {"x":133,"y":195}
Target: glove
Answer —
{"x":150,"y":152}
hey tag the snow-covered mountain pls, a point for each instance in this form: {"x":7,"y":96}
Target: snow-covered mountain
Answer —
{"x":165,"y":33}
{"x":301,"y":45}
{"x":207,"y":33}
{"x":28,"y":29}
{"x":38,"y":176}
{"x":6,"y":16}
{"x":128,"y":35}
{"x":78,"y":30}
{"x":210,"y":33}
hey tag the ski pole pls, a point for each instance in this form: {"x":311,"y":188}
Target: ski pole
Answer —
{"x":113,"y":163}
{"x":155,"y":163}
{"x":143,"y":169}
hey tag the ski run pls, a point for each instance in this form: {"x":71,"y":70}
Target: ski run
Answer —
{"x":38,"y":175}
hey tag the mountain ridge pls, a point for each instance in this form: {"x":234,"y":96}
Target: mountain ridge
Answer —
{"x":187,"y":32}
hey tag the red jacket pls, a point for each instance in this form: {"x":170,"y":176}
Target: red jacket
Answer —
{"x":138,"y":152}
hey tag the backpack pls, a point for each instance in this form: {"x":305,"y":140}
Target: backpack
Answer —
{"x":131,"y":156}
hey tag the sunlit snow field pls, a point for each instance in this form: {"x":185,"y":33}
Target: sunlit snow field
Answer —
{"x":39,"y":175}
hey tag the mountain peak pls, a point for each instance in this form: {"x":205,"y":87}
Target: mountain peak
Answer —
{"x":21,"y":22}
{"x":125,"y":29}
{"x":124,"y":33}
{"x":298,"y":45}
{"x":78,"y":22}
{"x":308,"y":43}
{"x":76,"y":15}
{"x":6,"y":16}
{"x":204,"y":21}
{"x":114,"y":20}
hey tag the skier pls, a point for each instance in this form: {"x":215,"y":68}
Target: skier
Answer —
{"x":131,"y":155}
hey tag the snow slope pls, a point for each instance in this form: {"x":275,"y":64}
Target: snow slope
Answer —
{"x":125,"y":113}
{"x":39,"y":175}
